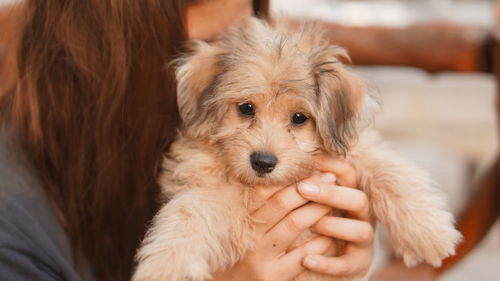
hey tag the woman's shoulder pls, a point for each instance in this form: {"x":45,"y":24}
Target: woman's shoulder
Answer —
{"x":33,"y":245}
{"x":19,"y":185}
{"x":21,"y":193}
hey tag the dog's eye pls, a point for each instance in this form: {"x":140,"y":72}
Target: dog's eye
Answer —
{"x":247,"y":109}
{"x":298,"y":118}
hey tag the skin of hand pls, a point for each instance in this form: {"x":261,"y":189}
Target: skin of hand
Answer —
{"x":289,"y":211}
{"x":207,"y":19}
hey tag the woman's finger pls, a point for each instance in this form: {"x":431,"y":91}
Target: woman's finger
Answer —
{"x":276,"y":208}
{"x":260,"y":194}
{"x":279,"y":239}
{"x":345,"y":198}
{"x":343,"y":170}
{"x":356,"y":261}
{"x":356,"y":231}
{"x":316,"y":246}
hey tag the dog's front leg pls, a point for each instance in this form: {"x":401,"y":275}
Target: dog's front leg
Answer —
{"x":403,"y":198}
{"x":198,"y":232}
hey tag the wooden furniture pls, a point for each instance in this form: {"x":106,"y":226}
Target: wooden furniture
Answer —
{"x":484,"y":206}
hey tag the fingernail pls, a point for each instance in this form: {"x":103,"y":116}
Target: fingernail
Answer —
{"x":311,"y":262}
{"x":308,"y":189}
{"x":328,"y":178}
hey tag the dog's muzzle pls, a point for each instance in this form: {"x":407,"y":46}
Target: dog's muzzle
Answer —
{"x":263,"y":163}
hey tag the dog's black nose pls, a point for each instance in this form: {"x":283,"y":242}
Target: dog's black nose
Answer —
{"x":263,"y":163}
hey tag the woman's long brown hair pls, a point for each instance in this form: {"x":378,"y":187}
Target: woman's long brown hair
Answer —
{"x":84,"y":84}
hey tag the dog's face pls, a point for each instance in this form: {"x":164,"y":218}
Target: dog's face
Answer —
{"x":265,"y":100}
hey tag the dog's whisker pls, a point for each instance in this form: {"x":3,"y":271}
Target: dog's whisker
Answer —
{"x":318,"y":65}
{"x":313,"y":151}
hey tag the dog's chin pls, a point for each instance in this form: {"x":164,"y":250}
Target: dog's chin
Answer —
{"x":264,"y":179}
{"x":275,"y":178}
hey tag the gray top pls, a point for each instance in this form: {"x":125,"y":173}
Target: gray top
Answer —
{"x":33,"y":245}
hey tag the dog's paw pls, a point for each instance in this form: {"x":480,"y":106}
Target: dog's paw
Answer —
{"x":168,"y":266}
{"x":430,"y":241}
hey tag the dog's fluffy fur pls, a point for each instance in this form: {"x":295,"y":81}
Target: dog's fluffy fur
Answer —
{"x":208,"y":178}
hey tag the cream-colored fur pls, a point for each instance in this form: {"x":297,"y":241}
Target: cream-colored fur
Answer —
{"x":208,"y":178}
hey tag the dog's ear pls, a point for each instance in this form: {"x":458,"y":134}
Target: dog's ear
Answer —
{"x":340,"y":96}
{"x":196,"y":78}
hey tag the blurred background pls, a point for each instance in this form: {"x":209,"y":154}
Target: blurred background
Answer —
{"x":432,"y":64}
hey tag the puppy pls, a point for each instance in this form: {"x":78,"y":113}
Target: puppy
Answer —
{"x":256,"y":105}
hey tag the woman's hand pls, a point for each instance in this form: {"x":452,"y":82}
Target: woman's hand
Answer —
{"x":278,"y":223}
{"x":287,"y":213}
{"x":356,"y":228}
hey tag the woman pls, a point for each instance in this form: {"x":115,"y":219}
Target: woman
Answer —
{"x":87,"y":110}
